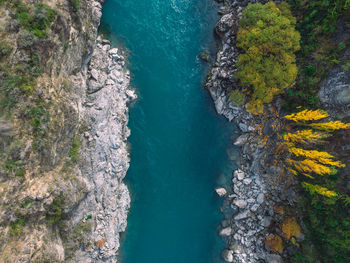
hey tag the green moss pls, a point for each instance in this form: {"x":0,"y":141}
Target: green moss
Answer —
{"x":27,"y":203}
{"x":74,"y":150}
{"x":17,"y":227}
{"x":20,"y":172}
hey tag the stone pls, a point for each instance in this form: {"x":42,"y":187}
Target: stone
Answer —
{"x":241,"y":140}
{"x":225,"y":231}
{"x":205,"y":56}
{"x":335,"y":90}
{"x":221,"y":191}
{"x":224,"y":24}
{"x":242,"y":215}
{"x":255,"y":207}
{"x":273,"y":258}
{"x":227,"y":255}
{"x":240,"y":203}
{"x":237,"y":236}
{"x":266,"y":221}
{"x":247,"y":181}
{"x":243,"y":127}
{"x":260,"y":198}
{"x":239,"y":174}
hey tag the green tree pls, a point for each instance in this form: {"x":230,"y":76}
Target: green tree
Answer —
{"x":268,"y":38}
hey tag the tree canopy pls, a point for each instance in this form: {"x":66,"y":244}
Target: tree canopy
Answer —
{"x":268,"y":38}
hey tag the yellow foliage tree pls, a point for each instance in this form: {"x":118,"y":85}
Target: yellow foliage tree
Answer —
{"x":319,"y":189}
{"x":309,"y":162}
{"x":309,"y":166}
{"x":330,"y":126}
{"x":303,"y":137}
{"x":307,"y":115}
{"x":322,"y":157}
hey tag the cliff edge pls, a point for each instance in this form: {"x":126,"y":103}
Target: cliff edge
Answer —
{"x":63,"y":134}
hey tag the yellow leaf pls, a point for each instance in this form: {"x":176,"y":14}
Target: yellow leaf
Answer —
{"x":290,"y":228}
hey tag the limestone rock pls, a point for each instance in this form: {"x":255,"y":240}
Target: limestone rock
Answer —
{"x":221,"y":191}
{"x":225,"y":231}
{"x":227,"y":255}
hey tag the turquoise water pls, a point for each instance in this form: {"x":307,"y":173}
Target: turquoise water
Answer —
{"x":178,"y":144}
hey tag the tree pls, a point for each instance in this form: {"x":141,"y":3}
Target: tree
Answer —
{"x":268,"y":38}
{"x":310,"y":162}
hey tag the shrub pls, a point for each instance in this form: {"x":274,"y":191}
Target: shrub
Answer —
{"x":74,"y":150}
{"x":35,"y":22}
{"x":237,"y":97}
{"x":268,"y":38}
{"x":5,"y":49}
{"x":17,"y":226}
{"x":75,"y":4}
{"x":55,"y":213}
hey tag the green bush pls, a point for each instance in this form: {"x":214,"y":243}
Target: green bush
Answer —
{"x":74,"y":150}
{"x":268,"y":38}
{"x":5,"y":49}
{"x":237,"y":97}
{"x":17,"y":226}
{"x":55,"y":213}
{"x":36,"y":21}
{"x":75,"y":4}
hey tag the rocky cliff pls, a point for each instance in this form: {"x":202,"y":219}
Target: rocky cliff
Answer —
{"x":63,"y":135}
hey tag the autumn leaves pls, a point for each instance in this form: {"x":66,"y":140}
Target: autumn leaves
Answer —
{"x":303,"y":158}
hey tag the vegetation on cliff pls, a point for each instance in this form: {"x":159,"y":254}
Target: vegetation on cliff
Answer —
{"x":318,"y":23}
{"x":269,"y":63}
{"x":38,"y":129}
{"x":268,"y":38}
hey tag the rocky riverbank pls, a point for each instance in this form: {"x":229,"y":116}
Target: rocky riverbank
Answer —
{"x":252,"y":205}
{"x":69,"y":203}
{"x":105,"y":110}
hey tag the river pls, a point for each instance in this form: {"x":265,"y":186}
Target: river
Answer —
{"x":178,"y":143}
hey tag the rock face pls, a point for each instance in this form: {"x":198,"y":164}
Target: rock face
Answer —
{"x":249,"y":201}
{"x":335,"y":90}
{"x":69,"y":203}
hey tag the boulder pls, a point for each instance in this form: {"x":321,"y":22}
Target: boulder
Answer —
{"x":239,"y":174}
{"x":242,"y":215}
{"x":227,"y":255}
{"x":205,"y":55}
{"x":240,"y":203}
{"x":241,"y":140}
{"x":225,"y":24}
{"x":221,"y":191}
{"x":225,"y":231}
{"x":335,"y":91}
{"x":272,"y":258}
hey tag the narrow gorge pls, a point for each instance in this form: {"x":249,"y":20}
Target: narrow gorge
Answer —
{"x":174,"y":131}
